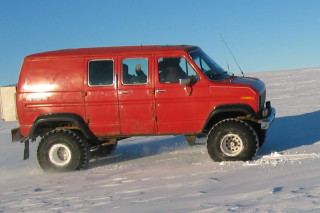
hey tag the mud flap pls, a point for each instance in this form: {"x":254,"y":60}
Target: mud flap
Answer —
{"x":17,"y":136}
{"x":26,"y":150}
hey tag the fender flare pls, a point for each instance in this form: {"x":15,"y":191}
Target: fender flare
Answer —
{"x":240,"y":108}
{"x":73,"y":118}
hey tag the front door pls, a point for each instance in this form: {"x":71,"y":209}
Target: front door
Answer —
{"x":179,"y":108}
{"x":136,"y":95}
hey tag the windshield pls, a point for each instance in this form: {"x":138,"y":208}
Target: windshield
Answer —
{"x":210,"y":68}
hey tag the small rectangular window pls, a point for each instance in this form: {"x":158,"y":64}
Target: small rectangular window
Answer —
{"x":101,"y":72}
{"x":135,"y":71}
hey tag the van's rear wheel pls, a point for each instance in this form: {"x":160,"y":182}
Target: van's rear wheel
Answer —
{"x":232,"y":140}
{"x":62,"y":150}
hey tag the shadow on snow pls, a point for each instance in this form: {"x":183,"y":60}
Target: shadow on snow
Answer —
{"x":291,"y":132}
{"x":149,"y":146}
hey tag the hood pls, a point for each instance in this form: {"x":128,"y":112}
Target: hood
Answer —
{"x":253,"y":82}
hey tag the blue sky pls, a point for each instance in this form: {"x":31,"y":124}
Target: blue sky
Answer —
{"x":262,"y":34}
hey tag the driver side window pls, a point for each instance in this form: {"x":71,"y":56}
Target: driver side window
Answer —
{"x":171,"y":69}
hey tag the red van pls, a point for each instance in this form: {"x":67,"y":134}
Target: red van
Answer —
{"x":79,"y":100}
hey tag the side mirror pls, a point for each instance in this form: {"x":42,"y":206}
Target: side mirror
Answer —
{"x":185,"y":81}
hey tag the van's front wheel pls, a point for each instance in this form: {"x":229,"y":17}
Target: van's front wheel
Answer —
{"x":62,"y":150}
{"x":232,"y":140}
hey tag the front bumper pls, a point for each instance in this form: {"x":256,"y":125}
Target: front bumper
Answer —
{"x":266,"y":122}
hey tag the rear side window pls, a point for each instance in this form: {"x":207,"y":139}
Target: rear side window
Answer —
{"x":134,"y":71}
{"x":101,"y":72}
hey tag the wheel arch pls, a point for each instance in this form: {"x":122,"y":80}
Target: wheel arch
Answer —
{"x":47,"y":122}
{"x":226,"y":111}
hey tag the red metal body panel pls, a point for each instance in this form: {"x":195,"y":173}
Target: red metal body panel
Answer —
{"x":233,"y":94}
{"x":101,"y":104}
{"x":177,"y":112}
{"x":136,"y":102}
{"x":49,"y":86}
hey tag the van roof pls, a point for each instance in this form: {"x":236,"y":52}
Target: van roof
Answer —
{"x":97,"y":51}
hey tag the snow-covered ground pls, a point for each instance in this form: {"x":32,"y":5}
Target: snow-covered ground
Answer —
{"x":163,"y":174}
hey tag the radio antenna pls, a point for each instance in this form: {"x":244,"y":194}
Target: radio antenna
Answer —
{"x":225,"y":55}
{"x":225,"y":43}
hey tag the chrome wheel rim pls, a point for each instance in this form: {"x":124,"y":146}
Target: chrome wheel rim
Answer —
{"x":60,"y":154}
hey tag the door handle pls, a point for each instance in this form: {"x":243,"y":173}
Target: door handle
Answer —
{"x":124,"y":92}
{"x":160,"y":90}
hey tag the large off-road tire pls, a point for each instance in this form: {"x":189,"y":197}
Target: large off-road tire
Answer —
{"x":232,"y":140}
{"x":63,"y":150}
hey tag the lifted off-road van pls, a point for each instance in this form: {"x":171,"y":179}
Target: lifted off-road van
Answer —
{"x":79,"y":100}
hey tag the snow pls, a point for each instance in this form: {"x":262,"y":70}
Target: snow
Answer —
{"x":164,"y":174}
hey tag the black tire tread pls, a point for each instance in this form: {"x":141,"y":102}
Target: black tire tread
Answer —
{"x":80,"y":142}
